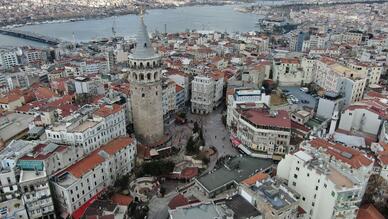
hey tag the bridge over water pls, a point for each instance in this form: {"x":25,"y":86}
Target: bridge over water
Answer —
{"x":30,"y":36}
{"x":298,"y":3}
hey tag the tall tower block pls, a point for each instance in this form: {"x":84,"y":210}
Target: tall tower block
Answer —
{"x":146,"y":88}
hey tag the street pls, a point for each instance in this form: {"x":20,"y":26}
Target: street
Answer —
{"x":215,"y":134}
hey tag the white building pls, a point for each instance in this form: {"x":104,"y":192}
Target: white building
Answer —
{"x":371,"y":71}
{"x":168,"y":99}
{"x":353,"y":161}
{"x":89,"y":128}
{"x":202,"y":95}
{"x":326,"y":191}
{"x":11,"y":204}
{"x":8,"y":59}
{"x":36,"y":194}
{"x":87,"y":178}
{"x":84,"y":85}
{"x":207,"y":92}
{"x":365,"y":116}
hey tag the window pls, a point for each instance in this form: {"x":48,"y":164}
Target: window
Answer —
{"x":316,"y":188}
{"x":294,"y":183}
{"x":325,"y":185}
{"x":297,"y":168}
{"x":295,"y":176}
{"x":333,"y":193}
{"x":303,"y":198}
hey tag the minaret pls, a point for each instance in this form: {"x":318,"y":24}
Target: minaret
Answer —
{"x":333,"y":123}
{"x":146,"y":88}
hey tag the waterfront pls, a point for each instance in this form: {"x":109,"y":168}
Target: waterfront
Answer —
{"x":219,"y":18}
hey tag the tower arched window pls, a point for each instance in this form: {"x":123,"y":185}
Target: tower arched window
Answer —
{"x":155,"y":75}
{"x":134,"y":75}
{"x":142,"y":77}
{"x":149,"y":76}
{"x":148,"y":64}
{"x":145,"y":45}
{"x":134,"y":64}
{"x":154,"y":64}
{"x":141,"y":65}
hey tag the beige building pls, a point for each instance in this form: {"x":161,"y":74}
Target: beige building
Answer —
{"x":333,"y":76}
{"x":146,"y":89}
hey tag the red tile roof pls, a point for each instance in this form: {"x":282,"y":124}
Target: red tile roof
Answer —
{"x":263,"y":118}
{"x":178,"y":201}
{"x":94,"y":159}
{"x":369,"y":211}
{"x":357,"y":159}
{"x":373,"y":105}
{"x":13,"y":95}
{"x":106,"y":110}
{"x":253,"y":179}
{"x":178,"y":88}
{"x":42,"y":93}
{"x":122,"y":199}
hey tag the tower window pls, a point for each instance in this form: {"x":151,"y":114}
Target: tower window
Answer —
{"x":149,"y":76}
{"x":142,"y":95}
{"x":145,"y":45}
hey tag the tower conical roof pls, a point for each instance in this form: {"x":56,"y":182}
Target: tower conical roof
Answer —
{"x":143,"y":47}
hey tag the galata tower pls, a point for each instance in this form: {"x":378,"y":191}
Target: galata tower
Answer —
{"x":146,"y":88}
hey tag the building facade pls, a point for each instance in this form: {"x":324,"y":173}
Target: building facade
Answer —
{"x":85,"y":179}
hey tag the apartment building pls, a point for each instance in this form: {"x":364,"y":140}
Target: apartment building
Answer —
{"x":87,"y":178}
{"x":288,"y":72}
{"x":36,"y":194}
{"x":241,"y":97}
{"x":326,"y":191}
{"x":370,"y":70}
{"x":202,"y":95}
{"x":11,"y":204}
{"x":332,"y":76}
{"x":168,"y":99}
{"x":262,"y":131}
{"x":89,"y":127}
{"x":8,"y":59}
{"x":51,"y":156}
{"x":272,"y":197}
{"x":351,"y":161}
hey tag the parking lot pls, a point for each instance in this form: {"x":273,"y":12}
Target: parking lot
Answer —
{"x":301,"y":96}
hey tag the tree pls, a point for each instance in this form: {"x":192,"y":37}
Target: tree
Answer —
{"x":191,"y":146}
{"x":157,"y":168}
{"x":196,"y":128}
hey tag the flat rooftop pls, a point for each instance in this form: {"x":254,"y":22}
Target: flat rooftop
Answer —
{"x":10,"y":205}
{"x":14,"y":124}
{"x":339,"y":179}
{"x":277,"y":194}
{"x":204,"y":211}
{"x":235,"y":170}
{"x":241,"y":207}
{"x":84,"y":126}
{"x":28,"y":175}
